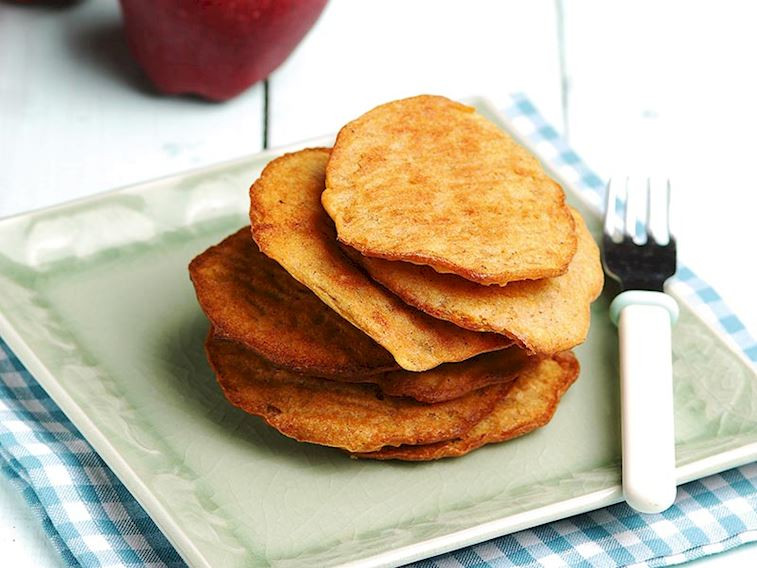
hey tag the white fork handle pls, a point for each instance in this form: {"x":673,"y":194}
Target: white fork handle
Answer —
{"x":646,"y":378}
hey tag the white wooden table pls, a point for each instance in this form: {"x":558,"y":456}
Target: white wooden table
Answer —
{"x":635,"y":86}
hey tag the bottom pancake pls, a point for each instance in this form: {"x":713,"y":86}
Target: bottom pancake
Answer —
{"x":530,"y":404}
{"x":355,"y":417}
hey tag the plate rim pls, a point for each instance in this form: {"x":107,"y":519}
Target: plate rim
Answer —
{"x":423,"y":549}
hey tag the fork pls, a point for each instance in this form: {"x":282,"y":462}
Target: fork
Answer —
{"x":644,"y":315}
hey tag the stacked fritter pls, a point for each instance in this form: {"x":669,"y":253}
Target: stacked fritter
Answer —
{"x":410,"y":294}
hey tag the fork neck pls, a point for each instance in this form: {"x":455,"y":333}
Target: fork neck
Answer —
{"x":641,"y":283}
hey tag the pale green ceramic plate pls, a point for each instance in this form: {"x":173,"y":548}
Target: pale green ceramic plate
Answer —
{"x":95,"y":300}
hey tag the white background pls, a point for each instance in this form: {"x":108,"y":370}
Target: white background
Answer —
{"x":637,"y":87}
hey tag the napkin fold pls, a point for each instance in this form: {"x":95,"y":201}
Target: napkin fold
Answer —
{"x":94,"y":521}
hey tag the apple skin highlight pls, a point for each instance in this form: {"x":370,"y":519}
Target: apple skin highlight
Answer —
{"x":214,"y":48}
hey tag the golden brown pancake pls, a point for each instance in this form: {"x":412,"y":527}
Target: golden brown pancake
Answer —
{"x":453,"y":380}
{"x":530,"y":404}
{"x":544,"y":316}
{"x":429,"y":181}
{"x":290,"y":226}
{"x":251,"y":299}
{"x":355,"y":417}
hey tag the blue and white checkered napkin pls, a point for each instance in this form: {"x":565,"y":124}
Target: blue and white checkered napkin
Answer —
{"x":94,"y":521}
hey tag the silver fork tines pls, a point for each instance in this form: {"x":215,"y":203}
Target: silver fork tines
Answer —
{"x":656,"y":219}
{"x":642,"y":254}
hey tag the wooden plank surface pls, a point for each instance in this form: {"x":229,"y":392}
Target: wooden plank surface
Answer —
{"x":361,"y":54}
{"x":77,"y":116}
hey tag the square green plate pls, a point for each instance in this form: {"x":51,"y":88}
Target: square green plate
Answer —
{"x":96,"y":302}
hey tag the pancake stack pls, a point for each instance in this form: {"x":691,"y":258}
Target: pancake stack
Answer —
{"x":412,"y":293}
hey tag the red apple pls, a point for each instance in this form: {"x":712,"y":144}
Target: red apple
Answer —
{"x":214,"y":48}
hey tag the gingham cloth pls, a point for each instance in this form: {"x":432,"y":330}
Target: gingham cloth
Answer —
{"x":94,"y":521}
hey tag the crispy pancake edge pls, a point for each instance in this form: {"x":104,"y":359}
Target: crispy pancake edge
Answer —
{"x":554,"y":336}
{"x":210,"y":290}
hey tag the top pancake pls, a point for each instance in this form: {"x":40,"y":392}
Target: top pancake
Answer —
{"x":544,"y":316}
{"x":251,"y":299}
{"x":290,"y":226}
{"x":429,"y":181}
